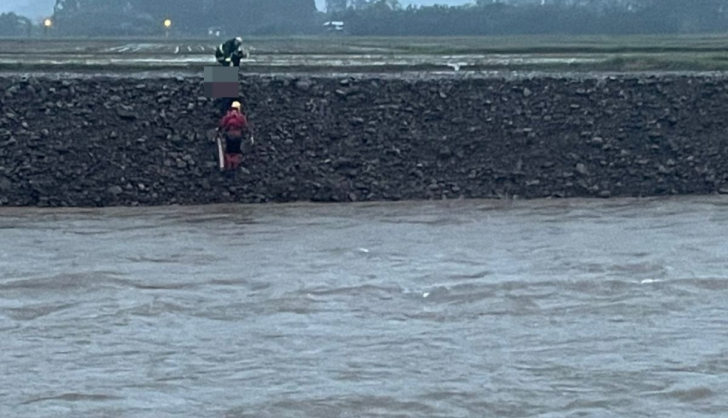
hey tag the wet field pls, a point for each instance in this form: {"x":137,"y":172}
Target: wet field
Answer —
{"x":454,"y":309}
{"x":352,"y":54}
{"x":195,"y":54}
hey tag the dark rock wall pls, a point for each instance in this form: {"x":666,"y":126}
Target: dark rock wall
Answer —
{"x":99,"y":142}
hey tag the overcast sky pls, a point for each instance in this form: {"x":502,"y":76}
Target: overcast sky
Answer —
{"x":39,"y":8}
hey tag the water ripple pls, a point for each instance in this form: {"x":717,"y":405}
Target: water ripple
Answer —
{"x":559,"y":308}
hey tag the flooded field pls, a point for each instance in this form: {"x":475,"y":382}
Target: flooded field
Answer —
{"x":195,"y":55}
{"x":455,"y":309}
{"x":379,"y":54}
{"x":301,"y":62}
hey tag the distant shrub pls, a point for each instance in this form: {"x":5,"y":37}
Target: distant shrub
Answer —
{"x":494,"y":18}
{"x":14,"y":25}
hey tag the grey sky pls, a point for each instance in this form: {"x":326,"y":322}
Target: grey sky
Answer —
{"x":37,"y":9}
{"x":32,"y":8}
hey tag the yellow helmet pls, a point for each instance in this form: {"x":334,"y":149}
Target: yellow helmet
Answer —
{"x":235,"y":105}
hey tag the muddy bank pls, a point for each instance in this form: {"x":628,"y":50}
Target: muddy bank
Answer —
{"x":117,"y":141}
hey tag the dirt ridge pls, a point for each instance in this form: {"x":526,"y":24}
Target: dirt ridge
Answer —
{"x":126,"y":141}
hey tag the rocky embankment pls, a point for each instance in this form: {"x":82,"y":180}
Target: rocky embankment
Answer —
{"x":116,"y":141}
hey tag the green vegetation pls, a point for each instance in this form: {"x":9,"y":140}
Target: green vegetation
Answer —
{"x":14,"y":25}
{"x":514,"y":17}
{"x":383,"y":18}
{"x":188,"y":17}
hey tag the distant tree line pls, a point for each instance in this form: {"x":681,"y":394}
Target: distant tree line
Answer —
{"x":379,"y":17}
{"x":189,"y":17}
{"x":492,"y":17}
{"x":14,"y":25}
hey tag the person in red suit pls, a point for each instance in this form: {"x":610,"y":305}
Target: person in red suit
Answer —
{"x":232,"y":126}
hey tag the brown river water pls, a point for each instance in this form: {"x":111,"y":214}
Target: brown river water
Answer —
{"x":573,"y":308}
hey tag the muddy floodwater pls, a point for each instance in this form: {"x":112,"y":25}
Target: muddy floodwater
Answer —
{"x":454,"y":309}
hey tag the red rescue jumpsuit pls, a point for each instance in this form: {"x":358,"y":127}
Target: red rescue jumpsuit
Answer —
{"x":232,"y":126}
